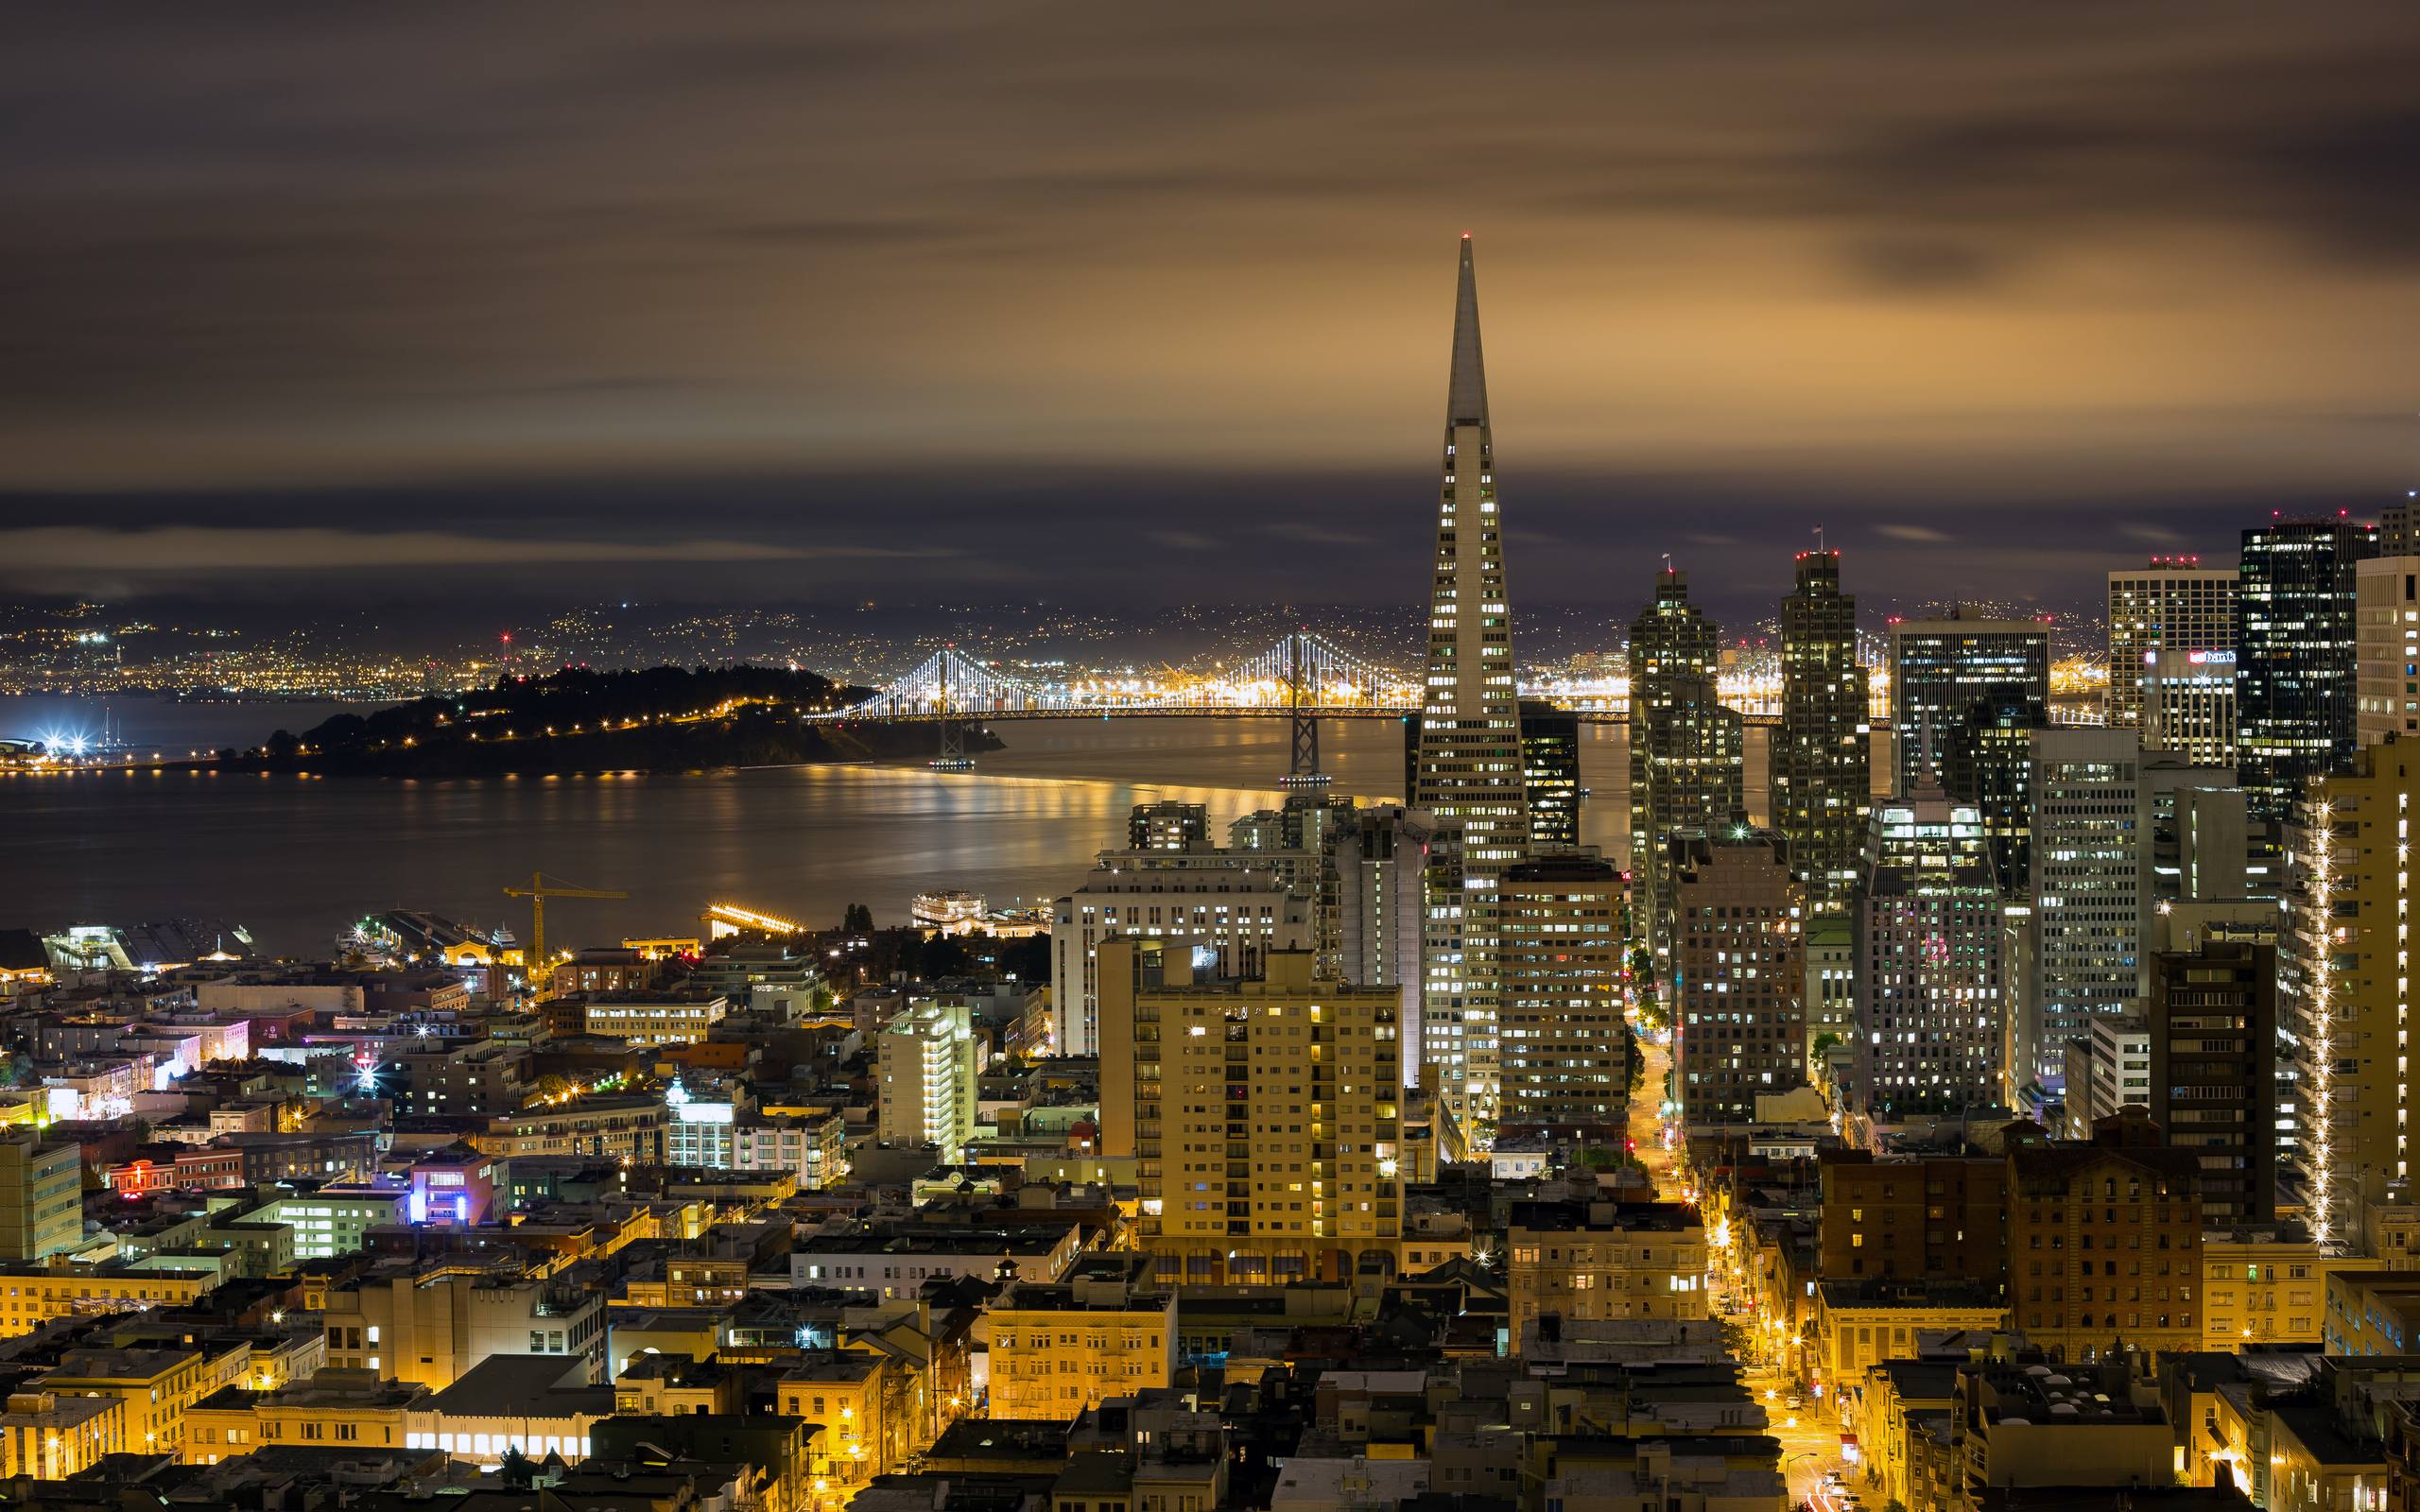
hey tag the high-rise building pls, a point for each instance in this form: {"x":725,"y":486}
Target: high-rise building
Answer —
{"x":2386,"y":651}
{"x":1550,"y":773}
{"x":1831,"y":983}
{"x":2116,"y":1061}
{"x":42,"y":1195}
{"x":1381,"y":866}
{"x":1823,"y":753}
{"x":1685,"y":749}
{"x":1988,"y":761}
{"x":1931,"y":968}
{"x":1470,"y":736}
{"x":2089,"y":896}
{"x":2188,"y":706}
{"x":1739,"y":973}
{"x":1227,"y":907}
{"x":2174,"y":603}
{"x":2396,"y":535}
{"x":928,"y":1061}
{"x":1562,"y":1042}
{"x":2345,"y":986}
{"x":2211,"y":1016}
{"x":1941,"y":668}
{"x":1167,"y":825}
{"x":2295,"y":653}
{"x":1265,"y":1116}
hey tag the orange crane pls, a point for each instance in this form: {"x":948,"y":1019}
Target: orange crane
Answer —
{"x":539,"y":890}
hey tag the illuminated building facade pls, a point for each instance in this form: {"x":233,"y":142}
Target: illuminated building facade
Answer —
{"x":1739,"y":973}
{"x":1565,"y":1045}
{"x":1987,"y":760}
{"x":1686,"y":751}
{"x":928,"y":1063}
{"x":1380,"y":864}
{"x":1940,"y":669}
{"x":2386,"y":650}
{"x":2170,"y":604}
{"x":1470,"y":766}
{"x":1595,"y":1260}
{"x":42,"y":1195}
{"x":2345,"y":987}
{"x":1823,"y":754}
{"x":2211,"y":1014}
{"x":1059,"y":1348}
{"x":1931,"y":969}
{"x":2189,"y":708}
{"x":1550,"y":774}
{"x":1265,"y":1116}
{"x":1229,"y":908}
{"x":2295,"y":653}
{"x":2090,"y":897}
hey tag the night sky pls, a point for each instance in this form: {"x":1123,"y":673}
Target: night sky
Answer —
{"x":1129,"y":302}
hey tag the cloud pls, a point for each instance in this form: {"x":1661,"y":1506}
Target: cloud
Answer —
{"x":2154,"y":535}
{"x":188,"y":550}
{"x":1317,"y":535}
{"x":1922,"y":534}
{"x":1181,"y":540}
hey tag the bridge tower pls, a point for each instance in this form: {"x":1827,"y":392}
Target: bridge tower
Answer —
{"x":952,"y":757}
{"x":1302,"y":706}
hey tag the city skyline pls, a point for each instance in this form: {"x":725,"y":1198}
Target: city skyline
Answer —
{"x":1957,"y":312}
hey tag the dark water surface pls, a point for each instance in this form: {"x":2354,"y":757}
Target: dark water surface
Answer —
{"x":294,"y":859}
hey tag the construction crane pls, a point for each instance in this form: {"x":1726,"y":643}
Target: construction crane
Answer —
{"x":539,"y":890}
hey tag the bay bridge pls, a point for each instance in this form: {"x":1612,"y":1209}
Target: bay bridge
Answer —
{"x":1304,"y":678}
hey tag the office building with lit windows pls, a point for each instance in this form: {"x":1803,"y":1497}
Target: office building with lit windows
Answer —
{"x":2386,"y":649}
{"x":1931,"y":969}
{"x":1940,"y":669}
{"x":1686,"y":751}
{"x":2173,"y":604}
{"x":2295,"y":638}
{"x":2090,"y":897}
{"x":1822,"y":785}
{"x":1265,"y":1116}
{"x":1550,"y":774}
{"x":1469,"y":772}
{"x":2345,"y":987}
{"x":2188,"y":706}
{"x":1739,"y":974}
{"x":1562,"y":1042}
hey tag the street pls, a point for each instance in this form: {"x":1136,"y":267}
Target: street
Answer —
{"x":1810,"y":1433}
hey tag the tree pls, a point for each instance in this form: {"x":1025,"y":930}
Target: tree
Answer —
{"x":1599,"y":1157}
{"x":516,"y":1472}
{"x":857,"y":919}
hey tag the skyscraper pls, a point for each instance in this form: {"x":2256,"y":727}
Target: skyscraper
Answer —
{"x":1550,"y":774}
{"x":1740,"y":958}
{"x":1563,"y":1045}
{"x":1685,"y":749}
{"x":2295,"y":653}
{"x":1380,"y":864}
{"x":1941,"y":668}
{"x":1469,"y":773}
{"x":1932,"y":960}
{"x":2212,"y":1014}
{"x":2345,"y":986}
{"x":1823,"y":754}
{"x":2090,"y":894}
{"x":1987,"y":760}
{"x":2174,"y":603}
